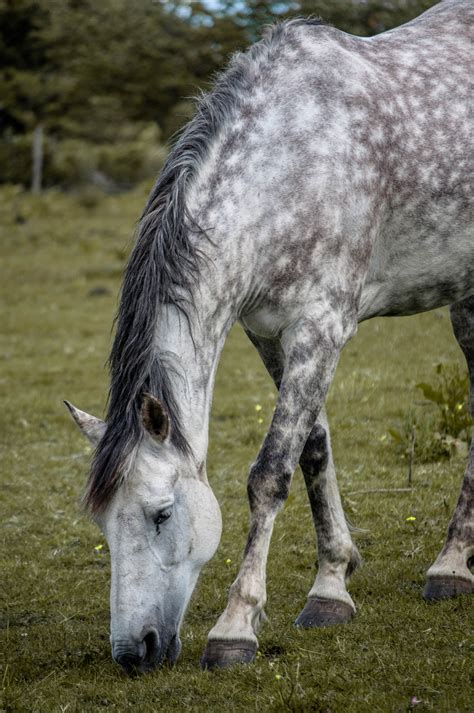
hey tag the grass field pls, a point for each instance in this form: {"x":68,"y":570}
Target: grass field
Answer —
{"x":61,"y":263}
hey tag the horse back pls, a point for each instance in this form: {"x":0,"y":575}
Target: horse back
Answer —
{"x":344,"y":169}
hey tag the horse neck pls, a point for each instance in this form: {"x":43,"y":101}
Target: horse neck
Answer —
{"x":190,"y":348}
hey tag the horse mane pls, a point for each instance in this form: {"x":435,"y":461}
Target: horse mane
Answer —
{"x":162,"y":268}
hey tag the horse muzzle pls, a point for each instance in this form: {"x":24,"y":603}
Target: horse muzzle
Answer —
{"x":146,"y":655}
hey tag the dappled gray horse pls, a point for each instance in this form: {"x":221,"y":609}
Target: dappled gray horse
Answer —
{"x":323,"y":181}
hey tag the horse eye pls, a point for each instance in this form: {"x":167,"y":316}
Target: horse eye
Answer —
{"x":160,"y":518}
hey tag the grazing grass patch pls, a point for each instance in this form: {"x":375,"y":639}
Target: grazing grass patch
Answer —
{"x":61,"y":263}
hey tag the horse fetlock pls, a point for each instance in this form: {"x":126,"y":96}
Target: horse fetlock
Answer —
{"x":248,"y":598}
{"x":234,"y":625}
{"x":258,"y":619}
{"x":339,"y":558}
{"x":242,"y":616}
{"x":232,"y":640}
{"x":354,"y":563}
{"x":330,"y":583}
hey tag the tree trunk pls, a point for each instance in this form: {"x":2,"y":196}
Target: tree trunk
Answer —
{"x":38,"y":152}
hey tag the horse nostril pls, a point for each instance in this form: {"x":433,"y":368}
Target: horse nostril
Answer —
{"x":151,"y":655}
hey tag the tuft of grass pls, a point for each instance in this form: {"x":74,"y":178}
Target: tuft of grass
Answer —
{"x":57,"y":251}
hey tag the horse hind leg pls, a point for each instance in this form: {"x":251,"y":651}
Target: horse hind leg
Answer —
{"x":450,"y":574}
{"x":328,"y":600}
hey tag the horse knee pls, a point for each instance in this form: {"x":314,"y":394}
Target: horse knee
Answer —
{"x":268,"y":486}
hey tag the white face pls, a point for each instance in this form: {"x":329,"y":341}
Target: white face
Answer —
{"x":161,"y":529}
{"x":162,"y":525}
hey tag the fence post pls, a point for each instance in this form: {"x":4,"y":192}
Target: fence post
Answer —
{"x":38,"y":152}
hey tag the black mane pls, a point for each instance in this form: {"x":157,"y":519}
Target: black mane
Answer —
{"x":162,"y":268}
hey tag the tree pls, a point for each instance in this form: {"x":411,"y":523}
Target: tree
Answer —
{"x":93,"y":74}
{"x":23,"y":76}
{"x":364,"y":17}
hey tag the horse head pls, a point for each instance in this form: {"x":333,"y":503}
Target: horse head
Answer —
{"x":162,"y":524}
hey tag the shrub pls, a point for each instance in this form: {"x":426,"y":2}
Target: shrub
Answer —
{"x":135,"y":156}
{"x":110,"y":166}
{"x":15,"y":158}
{"x":451,"y":396}
{"x":446,"y":429}
{"x":72,"y":162}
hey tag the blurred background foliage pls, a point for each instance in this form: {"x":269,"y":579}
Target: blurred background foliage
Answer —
{"x":100,"y":87}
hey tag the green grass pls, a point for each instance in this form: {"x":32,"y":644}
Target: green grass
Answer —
{"x":62,"y":258}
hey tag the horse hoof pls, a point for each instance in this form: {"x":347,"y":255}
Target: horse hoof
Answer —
{"x":445,"y":587}
{"x":222,"y":654}
{"x":324,"y":612}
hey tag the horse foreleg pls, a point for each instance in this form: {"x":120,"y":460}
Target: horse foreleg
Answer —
{"x":310,"y":357}
{"x":450,"y":574}
{"x":328,"y":600}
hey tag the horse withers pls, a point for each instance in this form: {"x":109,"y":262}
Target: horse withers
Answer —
{"x":325,"y":180}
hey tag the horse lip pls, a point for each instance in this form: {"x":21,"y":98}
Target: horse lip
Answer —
{"x":149,"y":654}
{"x":130,"y":659}
{"x":134,"y":668}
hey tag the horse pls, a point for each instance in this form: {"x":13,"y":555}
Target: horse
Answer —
{"x":324,"y":180}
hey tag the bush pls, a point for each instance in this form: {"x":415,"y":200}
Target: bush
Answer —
{"x":72,"y":162}
{"x":15,"y":158}
{"x":446,"y":429}
{"x":110,"y":166}
{"x":451,"y":396}
{"x":129,"y":163}
{"x":76,"y":162}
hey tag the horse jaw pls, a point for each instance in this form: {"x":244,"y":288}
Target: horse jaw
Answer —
{"x":93,"y":428}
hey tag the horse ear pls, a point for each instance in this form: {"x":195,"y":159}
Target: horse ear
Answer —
{"x":154,"y":417}
{"x":92,"y":427}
